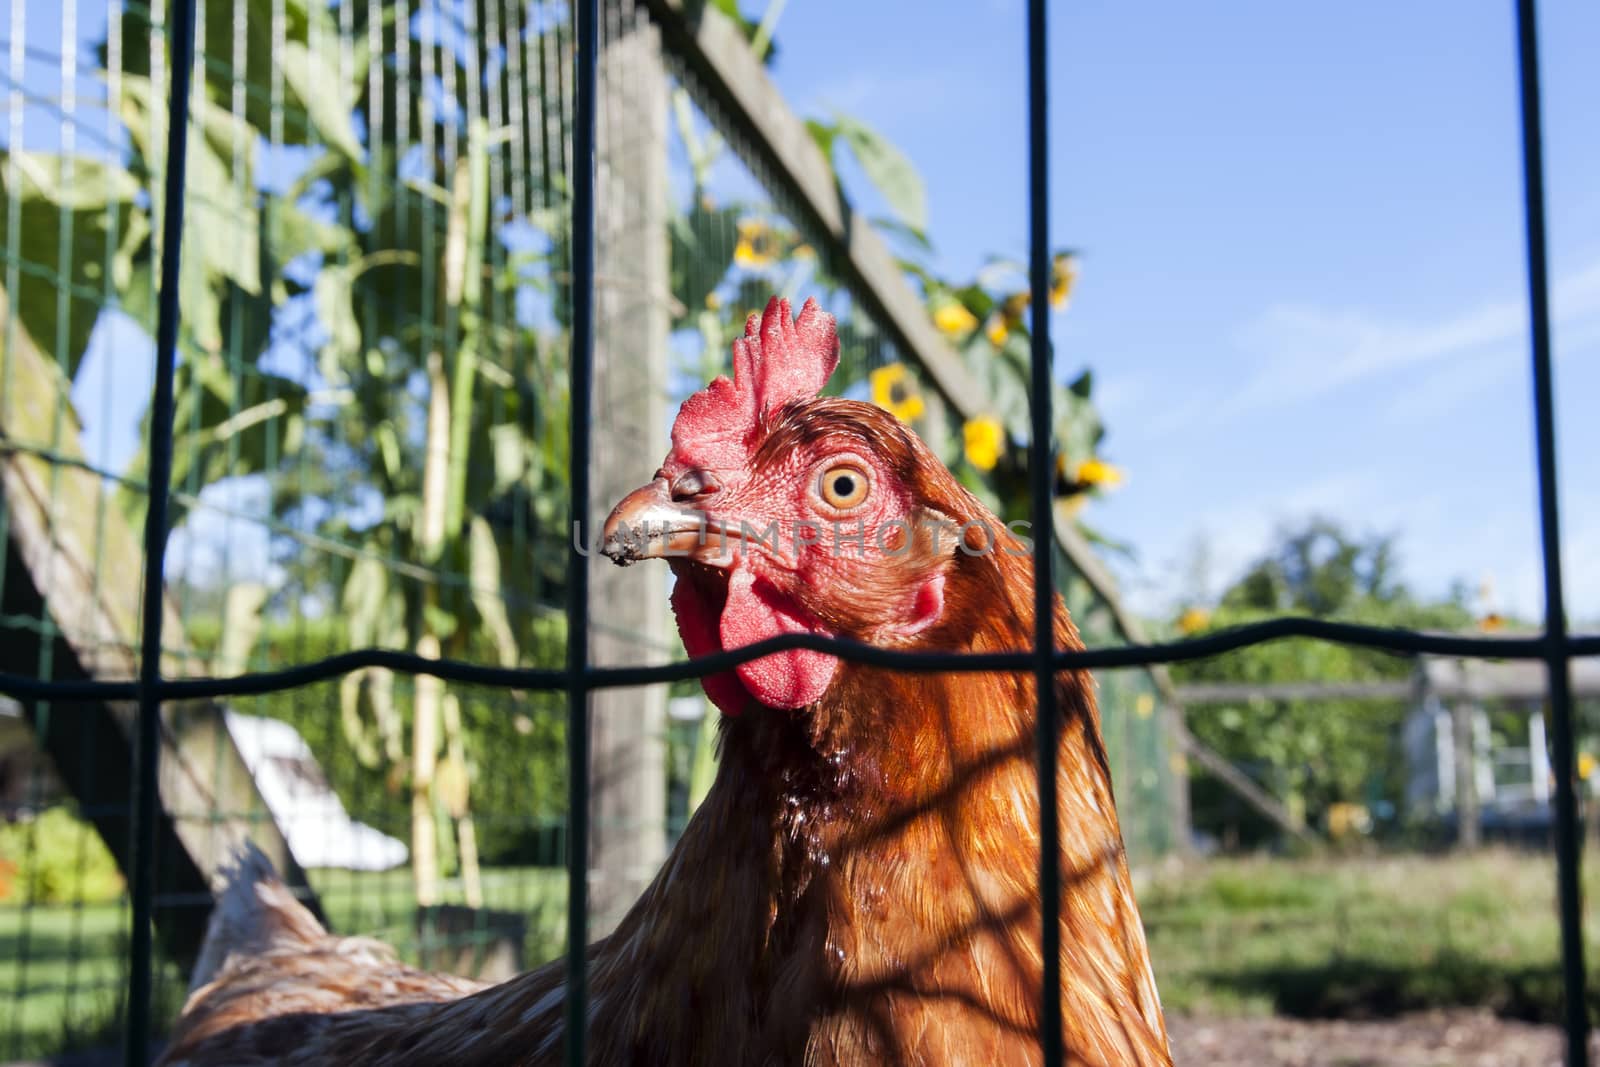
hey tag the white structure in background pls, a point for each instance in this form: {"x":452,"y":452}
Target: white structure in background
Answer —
{"x":305,"y":807}
{"x":1505,"y":776}
{"x":1511,"y":777}
{"x":687,"y":709}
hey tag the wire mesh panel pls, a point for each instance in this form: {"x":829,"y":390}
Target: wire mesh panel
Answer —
{"x":68,"y":210}
{"x":404,"y":325}
{"x":369,"y":442}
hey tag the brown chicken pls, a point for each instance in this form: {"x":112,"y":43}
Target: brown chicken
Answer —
{"x":860,"y":885}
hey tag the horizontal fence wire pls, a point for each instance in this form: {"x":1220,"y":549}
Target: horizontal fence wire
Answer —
{"x":1404,"y":642}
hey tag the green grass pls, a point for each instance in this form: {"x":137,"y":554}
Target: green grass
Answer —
{"x":1322,"y":936}
{"x":382,"y":904}
{"x":63,"y":967}
{"x":1344,"y":936}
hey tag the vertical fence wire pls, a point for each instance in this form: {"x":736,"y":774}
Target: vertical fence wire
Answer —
{"x":1040,"y":470}
{"x":181,"y":52}
{"x":587,"y":15}
{"x":1557,"y":653}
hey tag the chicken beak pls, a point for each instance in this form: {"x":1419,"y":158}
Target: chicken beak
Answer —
{"x":649,"y":524}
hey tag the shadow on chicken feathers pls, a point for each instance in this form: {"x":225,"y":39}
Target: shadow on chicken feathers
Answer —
{"x":860,"y":884}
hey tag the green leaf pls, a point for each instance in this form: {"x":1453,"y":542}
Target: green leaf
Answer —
{"x":291,"y":233}
{"x":441,"y":622}
{"x":1005,"y":376}
{"x":221,"y":219}
{"x":389,"y":449}
{"x":229,"y":426}
{"x":513,"y":455}
{"x":889,"y":171}
{"x":487,"y":590}
{"x":222,"y":223}
{"x":702,"y":251}
{"x":297,"y":21}
{"x":825,"y":137}
{"x":1124,"y":549}
{"x":313,"y":76}
{"x":366,"y":592}
{"x":900,"y":231}
{"x":241,"y":616}
{"x":702,"y":152}
{"x":336,"y":312}
{"x":91,"y":203}
{"x":1077,"y":425}
{"x":355,"y":730}
{"x":978,"y":300}
{"x":450,"y":782}
{"x":751,"y":30}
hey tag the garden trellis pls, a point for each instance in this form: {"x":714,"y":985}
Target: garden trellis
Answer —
{"x":373,"y":252}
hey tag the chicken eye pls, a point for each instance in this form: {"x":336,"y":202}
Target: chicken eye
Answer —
{"x":844,"y":486}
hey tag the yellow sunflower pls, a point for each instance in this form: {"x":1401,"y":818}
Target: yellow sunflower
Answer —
{"x":1063,"y":273}
{"x":1098,"y":472}
{"x":1008,"y":318}
{"x":983,"y":441}
{"x":757,"y":245}
{"x":895,"y":391}
{"x":954,"y":320}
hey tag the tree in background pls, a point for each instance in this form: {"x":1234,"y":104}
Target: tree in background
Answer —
{"x":1313,"y":754}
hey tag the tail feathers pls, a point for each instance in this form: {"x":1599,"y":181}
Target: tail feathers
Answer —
{"x":254,"y":913}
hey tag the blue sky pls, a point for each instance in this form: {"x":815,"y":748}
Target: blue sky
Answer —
{"x":1303,"y":277}
{"x":1303,"y":284}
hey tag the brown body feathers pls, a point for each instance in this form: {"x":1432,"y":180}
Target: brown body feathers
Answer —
{"x":860,"y":885}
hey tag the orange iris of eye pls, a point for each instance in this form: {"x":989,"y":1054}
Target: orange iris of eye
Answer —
{"x":843,"y":487}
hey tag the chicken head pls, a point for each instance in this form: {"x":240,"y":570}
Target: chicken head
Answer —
{"x":781,"y":511}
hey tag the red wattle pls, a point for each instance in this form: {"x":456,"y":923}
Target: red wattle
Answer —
{"x":697,"y":626}
{"x":754,"y":612}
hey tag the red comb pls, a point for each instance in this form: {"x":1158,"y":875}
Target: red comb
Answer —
{"x":776,"y":361}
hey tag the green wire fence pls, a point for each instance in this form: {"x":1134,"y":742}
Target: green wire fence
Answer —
{"x":372,"y":450}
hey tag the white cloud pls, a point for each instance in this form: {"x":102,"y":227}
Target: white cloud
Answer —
{"x":1297,"y":354}
{"x":878,"y":98}
{"x":1310,"y":351}
{"x":1304,"y":355}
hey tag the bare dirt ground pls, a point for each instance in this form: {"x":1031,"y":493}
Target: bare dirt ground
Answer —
{"x":1428,"y":1039}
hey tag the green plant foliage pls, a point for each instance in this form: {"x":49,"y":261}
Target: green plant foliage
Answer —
{"x":1312,"y":753}
{"x":308,"y":61}
{"x":55,"y":858}
{"x":703,"y":242}
{"x":515,"y":742}
{"x":886,"y":167}
{"x":61,"y":283}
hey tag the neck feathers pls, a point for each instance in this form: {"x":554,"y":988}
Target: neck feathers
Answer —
{"x":861,"y":885}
